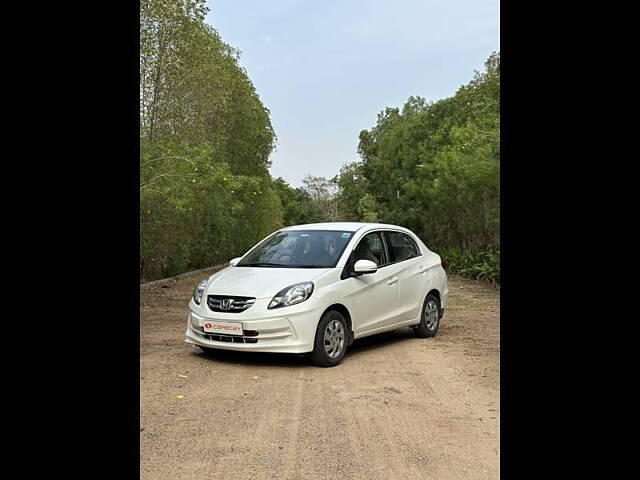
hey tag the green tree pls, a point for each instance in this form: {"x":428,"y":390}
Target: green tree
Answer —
{"x":352,"y":187}
{"x":291,"y":201}
{"x":205,"y":141}
{"x":368,"y":209}
{"x":434,"y":166}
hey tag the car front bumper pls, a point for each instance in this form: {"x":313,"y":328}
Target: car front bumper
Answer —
{"x":286,"y":330}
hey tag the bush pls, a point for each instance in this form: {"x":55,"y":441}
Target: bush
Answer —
{"x":484,"y":265}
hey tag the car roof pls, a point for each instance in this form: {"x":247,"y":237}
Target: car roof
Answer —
{"x":341,"y":226}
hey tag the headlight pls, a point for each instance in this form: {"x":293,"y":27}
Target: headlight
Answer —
{"x":292,"y":295}
{"x":197,"y":293}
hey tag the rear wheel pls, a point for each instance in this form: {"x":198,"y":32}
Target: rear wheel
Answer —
{"x":331,"y":340}
{"x":430,"y":320}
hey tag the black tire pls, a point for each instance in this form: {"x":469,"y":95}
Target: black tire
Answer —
{"x":320,"y":356}
{"x":428,"y":326}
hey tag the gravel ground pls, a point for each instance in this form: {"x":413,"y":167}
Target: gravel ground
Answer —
{"x":397,"y":407}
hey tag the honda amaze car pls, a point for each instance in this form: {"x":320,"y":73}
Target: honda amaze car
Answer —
{"x":318,"y":287}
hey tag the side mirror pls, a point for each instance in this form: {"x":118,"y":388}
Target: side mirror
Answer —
{"x":234,"y":261}
{"x":365,"y":266}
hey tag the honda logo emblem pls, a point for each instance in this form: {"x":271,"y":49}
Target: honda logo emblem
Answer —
{"x":226,"y":304}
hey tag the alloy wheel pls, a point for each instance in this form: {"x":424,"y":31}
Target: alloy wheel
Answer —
{"x":431,"y":316}
{"x":334,"y":339}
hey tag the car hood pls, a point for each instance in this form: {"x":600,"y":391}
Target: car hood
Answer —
{"x":258,"y":282}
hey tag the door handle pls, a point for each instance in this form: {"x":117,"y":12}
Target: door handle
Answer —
{"x":422,"y":269}
{"x":392,"y":281}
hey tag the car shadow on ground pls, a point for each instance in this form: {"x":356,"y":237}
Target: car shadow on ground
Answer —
{"x":255,"y":359}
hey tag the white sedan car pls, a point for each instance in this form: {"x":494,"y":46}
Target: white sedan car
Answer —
{"x":315,"y":288}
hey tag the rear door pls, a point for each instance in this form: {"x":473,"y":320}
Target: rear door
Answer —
{"x":410,"y":269}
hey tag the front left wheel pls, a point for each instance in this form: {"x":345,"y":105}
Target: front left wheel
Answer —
{"x":330,"y":343}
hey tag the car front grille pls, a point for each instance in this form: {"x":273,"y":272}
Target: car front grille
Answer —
{"x":229,"y":304}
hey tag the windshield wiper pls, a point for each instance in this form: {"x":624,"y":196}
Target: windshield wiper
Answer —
{"x":261,"y":265}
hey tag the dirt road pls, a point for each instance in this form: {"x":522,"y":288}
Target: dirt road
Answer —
{"x":397,"y":407}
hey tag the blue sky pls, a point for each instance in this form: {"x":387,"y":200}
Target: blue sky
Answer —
{"x":326,"y":68}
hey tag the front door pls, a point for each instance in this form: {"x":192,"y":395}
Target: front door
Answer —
{"x":375,"y":294}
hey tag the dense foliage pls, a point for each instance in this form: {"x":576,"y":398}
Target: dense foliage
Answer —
{"x":205,"y":191}
{"x":205,"y":138}
{"x":435,"y":168}
{"x":483,"y":265}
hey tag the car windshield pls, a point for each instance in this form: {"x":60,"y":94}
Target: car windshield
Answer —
{"x":298,"y":249}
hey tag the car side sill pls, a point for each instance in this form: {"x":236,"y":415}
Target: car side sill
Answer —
{"x":404,"y":323}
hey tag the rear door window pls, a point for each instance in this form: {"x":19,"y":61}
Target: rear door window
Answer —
{"x":401,"y":246}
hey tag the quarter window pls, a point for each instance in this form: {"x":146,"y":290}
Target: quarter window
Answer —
{"x":401,"y":246}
